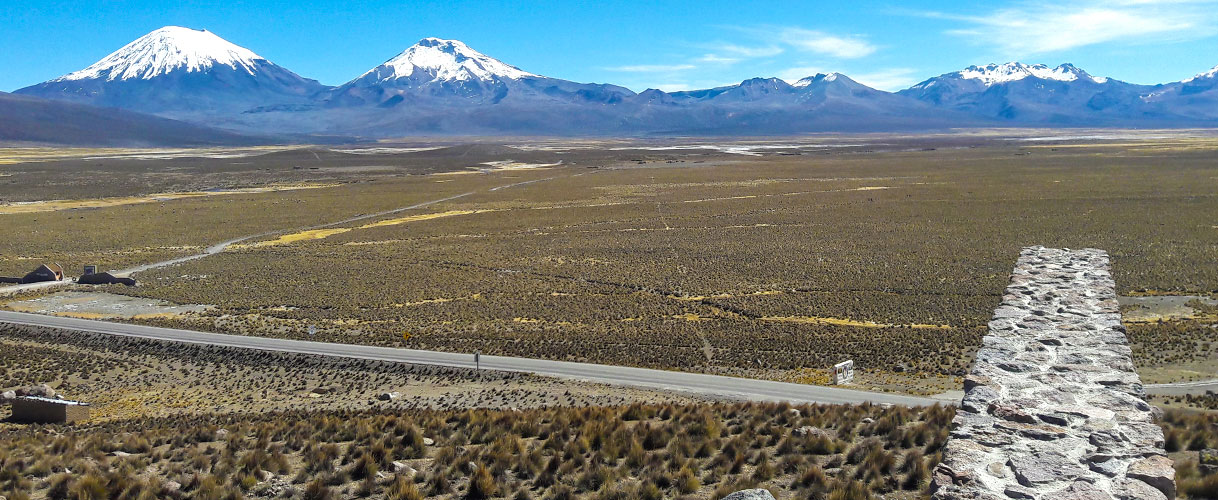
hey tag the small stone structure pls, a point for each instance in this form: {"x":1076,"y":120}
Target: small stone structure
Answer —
{"x":1053,"y":408}
{"x":44,"y":410}
{"x":843,"y":373}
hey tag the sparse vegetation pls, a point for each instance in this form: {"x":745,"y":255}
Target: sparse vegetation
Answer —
{"x":542,"y":453}
{"x":773,"y":267}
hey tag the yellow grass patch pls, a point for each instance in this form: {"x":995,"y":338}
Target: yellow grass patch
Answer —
{"x":57,"y":205}
{"x":82,"y":315}
{"x":428,"y":301}
{"x":416,"y":218}
{"x":317,"y":234}
{"x":819,"y":320}
{"x":312,"y":234}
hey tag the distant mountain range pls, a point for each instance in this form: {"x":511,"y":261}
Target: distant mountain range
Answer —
{"x":445,"y":87}
{"x":27,"y":119}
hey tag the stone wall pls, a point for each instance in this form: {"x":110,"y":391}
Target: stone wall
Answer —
{"x":1053,"y":408}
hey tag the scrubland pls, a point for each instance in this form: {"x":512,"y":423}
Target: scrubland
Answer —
{"x":773,"y":266}
{"x":627,"y":452}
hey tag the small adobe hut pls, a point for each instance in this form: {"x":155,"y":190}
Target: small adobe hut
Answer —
{"x":52,"y":272}
{"x":44,"y":410}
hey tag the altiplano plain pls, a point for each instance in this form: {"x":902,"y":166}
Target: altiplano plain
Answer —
{"x":774,"y":261}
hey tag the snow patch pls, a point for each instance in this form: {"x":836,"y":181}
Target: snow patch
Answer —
{"x":994,"y":74}
{"x":819,"y":77}
{"x":168,"y":49}
{"x":1202,"y":76}
{"x":444,"y":60}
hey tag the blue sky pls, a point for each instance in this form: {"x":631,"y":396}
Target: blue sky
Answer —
{"x":640,"y":44}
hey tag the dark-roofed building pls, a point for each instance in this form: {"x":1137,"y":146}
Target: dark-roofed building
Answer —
{"x":44,"y":273}
{"x":104,"y":279}
{"x":43,"y":410}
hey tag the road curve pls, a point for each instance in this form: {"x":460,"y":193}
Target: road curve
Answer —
{"x":694,"y":383}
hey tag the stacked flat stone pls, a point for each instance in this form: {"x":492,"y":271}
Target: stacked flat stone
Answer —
{"x":1053,"y":408}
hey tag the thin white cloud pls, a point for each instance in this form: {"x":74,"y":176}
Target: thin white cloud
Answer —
{"x":891,"y":79}
{"x":730,"y":53}
{"x":1040,"y":27}
{"x":750,"y":52}
{"x":653,"y":68}
{"x":841,"y":47}
{"x":718,"y":59}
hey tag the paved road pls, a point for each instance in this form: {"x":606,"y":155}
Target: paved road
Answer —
{"x":1182,"y":388}
{"x":708,"y":385}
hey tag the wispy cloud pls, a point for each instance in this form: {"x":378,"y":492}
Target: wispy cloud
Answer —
{"x":755,"y":47}
{"x":841,"y":47}
{"x":652,"y":68}
{"x":1038,"y":27}
{"x":889,"y":79}
{"x":730,"y":53}
{"x":751,"y":52}
{"x":718,"y":59}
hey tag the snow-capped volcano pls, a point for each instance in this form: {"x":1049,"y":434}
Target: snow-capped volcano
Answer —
{"x":166,"y":50}
{"x":435,"y":59}
{"x":441,"y":73}
{"x":181,"y":73}
{"x":992,"y":74}
{"x":1032,"y":93}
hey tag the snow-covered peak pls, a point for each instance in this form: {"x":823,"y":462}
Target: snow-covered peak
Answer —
{"x":444,"y":60}
{"x":994,"y":74}
{"x":168,"y":49}
{"x":1213,"y":72}
{"x":819,"y":77}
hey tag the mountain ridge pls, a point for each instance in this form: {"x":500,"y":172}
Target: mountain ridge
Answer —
{"x":440,"y":86}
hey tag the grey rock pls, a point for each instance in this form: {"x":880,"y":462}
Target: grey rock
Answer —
{"x":1156,"y":471}
{"x":1043,"y":468}
{"x":1020,"y":492}
{"x":755,"y":494}
{"x":1079,"y":490}
{"x":810,"y":431}
{"x":1133,"y":489}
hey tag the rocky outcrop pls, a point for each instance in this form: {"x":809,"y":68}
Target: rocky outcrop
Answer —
{"x":1053,"y":408}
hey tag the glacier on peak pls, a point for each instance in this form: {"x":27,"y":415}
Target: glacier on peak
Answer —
{"x":165,"y":50}
{"x":437,"y":59}
{"x":993,"y":74}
